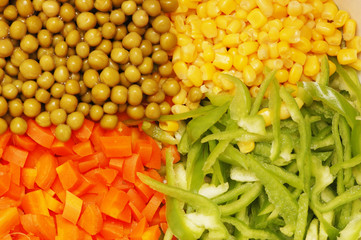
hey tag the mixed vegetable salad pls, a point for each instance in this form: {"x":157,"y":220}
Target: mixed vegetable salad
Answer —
{"x":164,"y":119}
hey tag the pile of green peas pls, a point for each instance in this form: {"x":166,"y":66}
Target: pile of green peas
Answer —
{"x":64,"y":60}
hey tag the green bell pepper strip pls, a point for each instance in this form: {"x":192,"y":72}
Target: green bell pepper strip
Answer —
{"x":331,"y":231}
{"x":241,"y":102}
{"x":339,"y":151}
{"x":239,"y":135}
{"x":248,"y":232}
{"x":353,"y":162}
{"x":352,"y":230}
{"x":284,"y":175}
{"x":219,"y":99}
{"x":245,"y":200}
{"x":356,"y":138}
{"x":325,"y":72}
{"x":191,"y":114}
{"x":197,"y":174}
{"x":202,"y":204}
{"x":193,"y":155}
{"x":275,"y":107}
{"x":345,"y":133}
{"x":317,"y":143}
{"x":197,"y":126}
{"x":175,"y":215}
{"x":262,"y":90}
{"x":233,"y":193}
{"x":183,"y":145}
{"x":157,"y":133}
{"x":332,"y":99}
{"x":302,"y":215}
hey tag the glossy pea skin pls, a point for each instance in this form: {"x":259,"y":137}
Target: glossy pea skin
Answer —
{"x":43,"y":119}
{"x":3,"y":126}
{"x":18,"y":126}
{"x":75,"y":120}
{"x":63,"y":132}
{"x":109,"y":121}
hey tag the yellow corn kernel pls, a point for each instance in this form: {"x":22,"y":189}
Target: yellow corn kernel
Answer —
{"x":256,"y":18}
{"x":332,"y":67}
{"x":226,"y":83}
{"x":202,"y":10}
{"x":170,"y":126}
{"x":273,"y":50}
{"x":218,"y":47}
{"x":329,"y":11}
{"x":319,"y":47}
{"x":192,"y":105}
{"x":179,"y":24}
{"x":335,"y":39}
{"x":180,"y":98}
{"x":293,"y":22}
{"x":239,"y":62}
{"x":316,"y":35}
{"x":227,"y":6}
{"x":276,"y":23}
{"x":244,"y":37}
{"x":254,"y":90}
{"x":284,"y":113}
{"x":183,"y":40}
{"x":231,"y":40}
{"x":216,"y":89}
{"x":249,"y":75}
{"x":317,"y":8}
{"x":287,"y":63}
{"x":257,"y":65}
{"x":292,"y":87}
{"x":248,"y":5}
{"x":209,"y":28}
{"x":295,"y":73}
{"x":333,"y":50}
{"x":246,"y":147}
{"x":354,"y":43}
{"x":247,"y":48}
{"x":176,"y":54}
{"x":222,"y":21}
{"x":180,"y":69}
{"x":307,"y":9}
{"x":298,"y":56}
{"x":207,"y":70}
{"x":341,"y":18}
{"x":347,"y":56}
{"x":263,"y":37}
{"x":266,"y":114}
{"x":294,"y":8}
{"x":266,"y":7}
{"x":356,"y":65}
{"x":284,"y":49}
{"x":273,"y":34}
{"x":279,"y":11}
{"x":223,"y":61}
{"x":220,"y":35}
{"x":241,"y":14}
{"x":349,"y":30}
{"x":212,"y":9}
{"x":191,"y":4}
{"x":325,"y":28}
{"x":306,"y":32}
{"x":177,"y":109}
{"x":304,"y":45}
{"x":274,"y":64}
{"x":252,"y":57}
{"x":198,"y":43}
{"x":291,"y":35}
{"x":233,"y":51}
{"x":312,"y":66}
{"x":263,"y":52}
{"x":188,"y":53}
{"x":282,"y":75}
{"x":235,"y":26}
{"x":208,"y":54}
{"x":195,"y":75}
{"x":199,"y":61}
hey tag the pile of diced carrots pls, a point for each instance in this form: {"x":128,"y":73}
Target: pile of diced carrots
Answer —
{"x":85,"y":188}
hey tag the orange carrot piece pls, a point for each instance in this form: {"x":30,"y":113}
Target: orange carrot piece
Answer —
{"x":117,"y":163}
{"x":66,"y":230}
{"x":114,"y":202}
{"x":136,"y":199}
{"x":154,"y":174}
{"x":46,"y":166}
{"x":97,"y":133}
{"x":83,"y":187}
{"x":39,"y":225}
{"x":69,"y":175}
{"x":42,"y":136}
{"x":151,"y":233}
{"x":88,"y":165}
{"x":156,"y":155}
{"x":120,"y":184}
{"x":108,"y":175}
{"x":15,"y":155}
{"x":5,"y":179}
{"x":28,"y":176}
{"x":15,"y":172}
{"x":84,"y":133}
{"x":125,"y":215}
{"x":163,"y":226}
{"x":132,"y":165}
{"x":34,"y":156}
{"x":34,"y":203}
{"x":83,"y":148}
{"x":72,"y":208}
{"x":98,"y":156}
{"x":135,"y":212}
{"x":24,"y":142}
{"x":53,"y":204}
{"x":15,"y":192}
{"x":143,"y":190}
{"x":122,"y":129}
{"x":139,"y":229}
{"x":152,"y":206}
{"x":58,"y":189}
{"x":144,"y":149}
{"x":5,"y":138}
{"x":91,"y":219}
{"x":173,"y":150}
{"x":112,"y":230}
{"x":9,"y":218}
{"x":62,"y":148}
{"x":116,"y":146}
